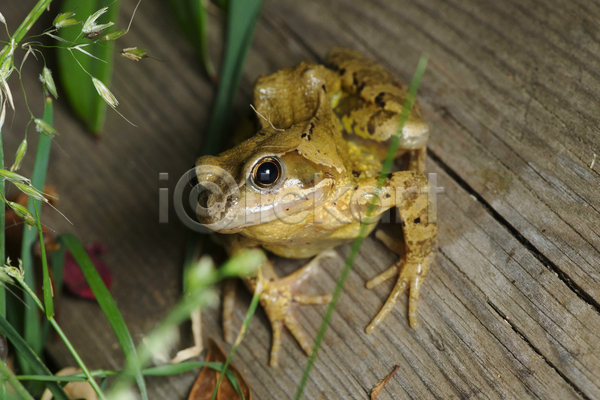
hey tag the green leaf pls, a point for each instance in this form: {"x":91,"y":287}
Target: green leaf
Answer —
{"x":77,"y":85}
{"x":192,"y":18}
{"x":242,"y":17}
{"x":108,"y":306}
{"x":32,"y":358}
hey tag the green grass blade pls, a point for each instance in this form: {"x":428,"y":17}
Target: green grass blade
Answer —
{"x":58,"y":263}
{"x":27,"y":23}
{"x":108,"y":306}
{"x":410,"y":98}
{"x":6,"y":374}
{"x":77,"y":84}
{"x":163,"y":370}
{"x":32,"y":331}
{"x":46,"y":284}
{"x":249,"y":314}
{"x":242,"y":17}
{"x":172,"y":369}
{"x":192,"y":18}
{"x":201,"y":278}
{"x":32,"y":358}
{"x":2,"y":232}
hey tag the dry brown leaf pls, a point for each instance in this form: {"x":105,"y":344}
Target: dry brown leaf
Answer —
{"x":75,"y":390}
{"x":381,"y":384}
{"x":207,"y":379}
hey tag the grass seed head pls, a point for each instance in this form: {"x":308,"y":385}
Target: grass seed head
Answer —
{"x":44,"y":127}
{"x":20,"y":155}
{"x":105,"y":93}
{"x":48,"y":82}
{"x":13,"y":176}
{"x":90,"y":26}
{"x":114,"y":35}
{"x":133,"y":53}
{"x":65,"y":20}
{"x":30,"y":191}
{"x":23,"y":213}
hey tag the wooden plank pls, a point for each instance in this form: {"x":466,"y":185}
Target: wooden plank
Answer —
{"x":511,"y":307}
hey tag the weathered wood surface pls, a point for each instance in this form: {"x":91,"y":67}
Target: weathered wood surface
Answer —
{"x":511,"y":306}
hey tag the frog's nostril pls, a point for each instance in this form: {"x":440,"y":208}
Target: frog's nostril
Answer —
{"x":192,"y":177}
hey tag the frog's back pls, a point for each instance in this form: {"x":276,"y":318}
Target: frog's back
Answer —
{"x":364,"y":97}
{"x":370,"y":104}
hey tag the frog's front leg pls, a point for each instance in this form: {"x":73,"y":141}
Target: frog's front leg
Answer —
{"x":279,"y":296}
{"x":416,"y":253}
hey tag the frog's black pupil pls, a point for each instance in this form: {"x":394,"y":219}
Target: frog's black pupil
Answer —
{"x":267,"y":173}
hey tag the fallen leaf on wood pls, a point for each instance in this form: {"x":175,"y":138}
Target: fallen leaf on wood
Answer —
{"x":73,"y":278}
{"x":381,"y":384}
{"x":75,"y":390}
{"x":207,"y":379}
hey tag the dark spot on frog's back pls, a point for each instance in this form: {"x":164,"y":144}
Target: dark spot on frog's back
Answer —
{"x":371,"y":126}
{"x":378,"y":118}
{"x":310,"y":130}
{"x":324,"y":88}
{"x":379,"y":100}
{"x":355,"y":173}
{"x":342,"y":71}
{"x":417,"y":220}
{"x":303,"y":135}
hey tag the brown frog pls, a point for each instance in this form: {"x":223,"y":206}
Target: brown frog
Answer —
{"x":302,"y":183}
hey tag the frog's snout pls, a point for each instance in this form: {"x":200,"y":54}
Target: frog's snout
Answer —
{"x":216,"y":191}
{"x":212,"y":202}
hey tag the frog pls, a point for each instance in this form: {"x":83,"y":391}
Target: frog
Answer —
{"x":301,"y":183}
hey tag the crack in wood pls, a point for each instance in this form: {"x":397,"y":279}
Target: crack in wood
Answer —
{"x":485,"y":326}
{"x":563,"y":276}
{"x":537,"y":351}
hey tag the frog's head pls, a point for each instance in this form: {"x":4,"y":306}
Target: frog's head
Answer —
{"x":276,"y":174}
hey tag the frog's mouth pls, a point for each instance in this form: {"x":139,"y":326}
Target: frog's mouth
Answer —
{"x":234,"y":210}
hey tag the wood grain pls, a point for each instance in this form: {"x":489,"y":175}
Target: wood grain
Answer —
{"x":511,"y":309}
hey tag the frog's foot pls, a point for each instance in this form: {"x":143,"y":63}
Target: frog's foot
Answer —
{"x":410,"y":274}
{"x":280,"y":296}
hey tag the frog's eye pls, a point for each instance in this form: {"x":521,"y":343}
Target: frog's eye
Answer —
{"x":266,"y":172}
